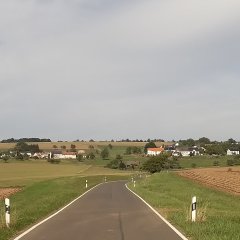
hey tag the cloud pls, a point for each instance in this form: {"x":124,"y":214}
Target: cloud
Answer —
{"x":103,"y":69}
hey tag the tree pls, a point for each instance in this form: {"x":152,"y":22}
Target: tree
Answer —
{"x":91,"y":155}
{"x":216,"y":149}
{"x":73,"y":146}
{"x":204,"y":140}
{"x":80,"y":157}
{"x":136,"y":150}
{"x":5,"y":158}
{"x":110,"y":146}
{"x":150,"y":144}
{"x":118,"y":157}
{"x":128,"y":151}
{"x":63,"y":147}
{"x":117,"y":164}
{"x":159,"y":163}
{"x":24,"y":147}
{"x":231,"y":140}
{"x":105,"y":153}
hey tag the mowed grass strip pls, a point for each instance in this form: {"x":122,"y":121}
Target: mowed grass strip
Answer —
{"x":41,"y":199}
{"x":218,"y":212}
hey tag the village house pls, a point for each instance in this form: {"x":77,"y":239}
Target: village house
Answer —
{"x":154,"y":151}
{"x":232,"y":152}
{"x":186,"y":151}
{"x":69,"y":155}
{"x":59,"y":154}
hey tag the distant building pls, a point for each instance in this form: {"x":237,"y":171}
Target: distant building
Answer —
{"x":69,"y":155}
{"x":186,"y":151}
{"x":154,"y":151}
{"x":232,"y":152}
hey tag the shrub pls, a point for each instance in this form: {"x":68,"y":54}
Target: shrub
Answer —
{"x":80,"y":157}
{"x":230,"y":162}
{"x":194,"y":165}
{"x":159,"y":163}
{"x":215,"y":163}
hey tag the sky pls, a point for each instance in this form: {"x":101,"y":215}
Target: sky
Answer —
{"x":110,"y":69}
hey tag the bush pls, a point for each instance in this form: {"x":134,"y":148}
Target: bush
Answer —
{"x":80,"y":157}
{"x":105,"y":153}
{"x":230,"y":162}
{"x":233,"y":162}
{"x":5,"y":159}
{"x":159,"y":163}
{"x":194,"y":165}
{"x":116,"y":164}
{"x":216,"y":163}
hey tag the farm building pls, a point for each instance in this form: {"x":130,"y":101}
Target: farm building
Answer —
{"x":154,"y":151}
{"x":186,"y":151}
{"x":232,"y":152}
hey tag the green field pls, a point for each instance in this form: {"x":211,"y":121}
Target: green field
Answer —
{"x":218,"y":215}
{"x":204,"y":161}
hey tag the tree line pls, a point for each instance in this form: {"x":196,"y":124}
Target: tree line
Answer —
{"x":13,"y":140}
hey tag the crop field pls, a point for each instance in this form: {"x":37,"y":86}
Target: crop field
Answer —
{"x":20,"y":173}
{"x":79,"y":145}
{"x":226,"y":179}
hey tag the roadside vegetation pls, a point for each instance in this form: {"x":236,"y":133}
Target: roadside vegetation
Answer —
{"x":170,"y":194}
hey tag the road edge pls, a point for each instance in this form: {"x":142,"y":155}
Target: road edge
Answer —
{"x":54,"y":214}
{"x":158,"y":214}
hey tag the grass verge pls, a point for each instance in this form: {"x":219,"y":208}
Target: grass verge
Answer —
{"x":41,"y":199}
{"x":218,"y":215}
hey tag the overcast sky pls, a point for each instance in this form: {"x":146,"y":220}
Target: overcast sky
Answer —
{"x":103,"y":69}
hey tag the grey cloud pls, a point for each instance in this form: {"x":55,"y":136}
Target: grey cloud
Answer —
{"x":103,"y":69}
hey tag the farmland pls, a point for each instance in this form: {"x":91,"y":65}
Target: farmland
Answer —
{"x":79,"y":145}
{"x":226,"y":179}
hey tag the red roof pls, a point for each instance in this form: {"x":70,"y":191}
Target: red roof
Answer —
{"x":156,"y":149}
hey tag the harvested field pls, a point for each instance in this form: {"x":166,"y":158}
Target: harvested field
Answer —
{"x":225,"y":179}
{"x":6,"y":192}
{"x":80,"y":145}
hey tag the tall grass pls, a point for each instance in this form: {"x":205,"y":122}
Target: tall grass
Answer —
{"x":217,"y":212}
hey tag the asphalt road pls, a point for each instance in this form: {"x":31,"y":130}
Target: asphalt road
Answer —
{"x":108,"y":212}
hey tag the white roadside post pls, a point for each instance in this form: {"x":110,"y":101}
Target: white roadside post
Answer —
{"x":134,"y":183}
{"x":105,"y":179}
{"x":194,"y":209}
{"x":132,"y":179}
{"x":86,"y":184}
{"x":7,"y":211}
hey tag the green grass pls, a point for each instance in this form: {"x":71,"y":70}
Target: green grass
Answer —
{"x":170,"y":194}
{"x":45,"y":198}
{"x":203,"y":161}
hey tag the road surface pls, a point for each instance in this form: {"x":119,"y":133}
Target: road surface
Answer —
{"x":108,"y":212}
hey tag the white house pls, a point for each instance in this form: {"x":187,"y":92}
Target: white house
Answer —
{"x":231,"y":152}
{"x":186,"y":152}
{"x":69,"y":155}
{"x":154,"y":151}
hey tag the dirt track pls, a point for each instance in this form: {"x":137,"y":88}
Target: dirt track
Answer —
{"x":225,"y":179}
{"x":6,"y":192}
